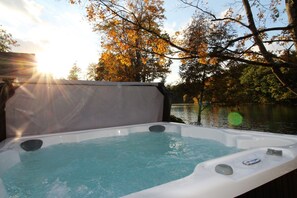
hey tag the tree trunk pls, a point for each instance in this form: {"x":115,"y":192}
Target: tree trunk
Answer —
{"x":138,"y":62}
{"x":291,"y":7}
{"x":138,"y":66}
{"x":200,"y":102}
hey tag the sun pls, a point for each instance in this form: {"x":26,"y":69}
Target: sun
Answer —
{"x":44,"y":63}
{"x":51,"y":64}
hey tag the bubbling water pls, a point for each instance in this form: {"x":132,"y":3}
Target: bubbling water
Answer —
{"x":109,"y":167}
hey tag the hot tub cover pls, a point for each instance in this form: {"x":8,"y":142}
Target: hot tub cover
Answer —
{"x":60,"y":106}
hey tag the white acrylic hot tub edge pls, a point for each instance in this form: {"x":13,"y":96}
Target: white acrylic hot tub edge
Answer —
{"x":204,"y":181}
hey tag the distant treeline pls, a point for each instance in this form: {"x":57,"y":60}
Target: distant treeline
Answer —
{"x":237,"y":85}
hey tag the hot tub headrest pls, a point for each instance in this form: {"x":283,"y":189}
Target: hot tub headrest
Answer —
{"x":31,"y":145}
{"x":157,"y":128}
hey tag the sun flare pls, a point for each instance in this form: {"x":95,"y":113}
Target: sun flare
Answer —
{"x":52,"y":64}
{"x":44,"y":63}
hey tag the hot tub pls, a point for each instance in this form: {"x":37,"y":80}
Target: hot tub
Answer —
{"x":260,"y":158}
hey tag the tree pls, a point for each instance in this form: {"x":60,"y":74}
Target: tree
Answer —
{"x":6,"y":40}
{"x":225,"y":88}
{"x":291,"y":8}
{"x":251,"y":46}
{"x":92,"y":71}
{"x":263,"y":86}
{"x":130,"y":53}
{"x":182,"y":92}
{"x":74,"y":72}
{"x":204,"y":38}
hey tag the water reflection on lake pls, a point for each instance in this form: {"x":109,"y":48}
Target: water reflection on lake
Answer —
{"x":272,"y":118}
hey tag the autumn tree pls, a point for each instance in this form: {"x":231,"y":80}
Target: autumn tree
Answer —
{"x":203,"y":37}
{"x":74,"y":72}
{"x":225,"y":88}
{"x":6,"y":40}
{"x":262,"y":35}
{"x":130,"y":53}
{"x":255,"y":33}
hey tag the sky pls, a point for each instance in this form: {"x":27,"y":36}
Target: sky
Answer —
{"x":60,"y":35}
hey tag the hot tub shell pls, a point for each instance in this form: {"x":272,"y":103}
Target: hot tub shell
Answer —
{"x":204,"y":181}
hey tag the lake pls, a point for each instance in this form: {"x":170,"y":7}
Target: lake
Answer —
{"x":268,"y":118}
